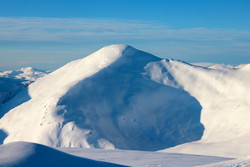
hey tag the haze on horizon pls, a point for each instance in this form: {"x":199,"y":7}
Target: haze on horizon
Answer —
{"x":47,"y":34}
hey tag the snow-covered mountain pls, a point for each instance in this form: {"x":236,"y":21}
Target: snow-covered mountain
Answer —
{"x":120,"y":97}
{"x":106,"y":100}
{"x":26,"y":75}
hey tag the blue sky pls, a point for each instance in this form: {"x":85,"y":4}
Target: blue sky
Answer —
{"x":49,"y":33}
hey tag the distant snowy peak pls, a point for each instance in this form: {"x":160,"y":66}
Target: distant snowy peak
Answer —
{"x":13,"y":82}
{"x":25,"y":74}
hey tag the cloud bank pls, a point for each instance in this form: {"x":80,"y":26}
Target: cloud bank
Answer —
{"x":80,"y":29}
{"x":59,"y":40}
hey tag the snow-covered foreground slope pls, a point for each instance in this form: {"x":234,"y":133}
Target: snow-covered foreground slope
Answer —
{"x":24,"y":74}
{"x":144,"y":158}
{"x":240,"y":162}
{"x":105,"y":100}
{"x":23,"y":154}
{"x":120,"y":97}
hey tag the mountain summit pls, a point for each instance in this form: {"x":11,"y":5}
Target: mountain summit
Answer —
{"x":108,"y":99}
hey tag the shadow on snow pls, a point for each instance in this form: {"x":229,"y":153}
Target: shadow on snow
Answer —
{"x":123,"y":106}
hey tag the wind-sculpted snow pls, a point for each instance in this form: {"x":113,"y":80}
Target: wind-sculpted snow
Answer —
{"x":106,"y":100}
{"x":23,"y":154}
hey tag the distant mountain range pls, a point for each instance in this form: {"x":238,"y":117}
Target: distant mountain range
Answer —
{"x":12,"y":82}
{"x":26,"y":75}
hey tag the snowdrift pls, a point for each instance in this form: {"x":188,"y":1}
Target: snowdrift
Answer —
{"x":106,"y":100}
{"x":24,"y":154}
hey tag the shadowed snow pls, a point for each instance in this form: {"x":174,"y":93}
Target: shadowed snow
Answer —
{"x":23,"y":154}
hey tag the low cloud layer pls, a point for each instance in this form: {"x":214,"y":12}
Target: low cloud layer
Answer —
{"x":80,"y":29}
{"x":28,"y":39}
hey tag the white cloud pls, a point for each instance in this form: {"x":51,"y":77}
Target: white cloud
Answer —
{"x":35,"y":41}
{"x":57,"y":29}
{"x":81,"y":29}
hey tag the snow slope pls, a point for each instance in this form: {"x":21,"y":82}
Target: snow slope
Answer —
{"x":145,"y":158}
{"x":23,"y":154}
{"x":8,"y":89}
{"x":216,"y":66}
{"x":31,"y":154}
{"x":224,"y":95}
{"x":106,"y":100}
{"x":12,"y":82}
{"x":240,"y":162}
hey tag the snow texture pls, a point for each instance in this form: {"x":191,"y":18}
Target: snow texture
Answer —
{"x":144,"y":158}
{"x":9,"y":88}
{"x":23,"y":154}
{"x":240,"y":162}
